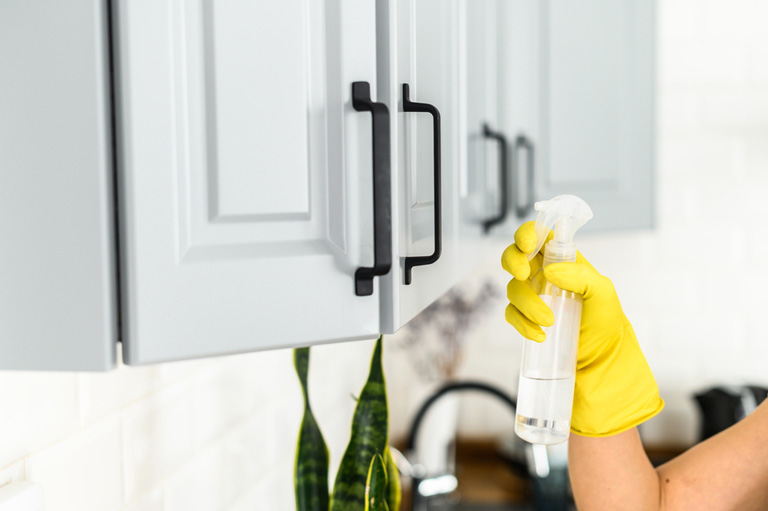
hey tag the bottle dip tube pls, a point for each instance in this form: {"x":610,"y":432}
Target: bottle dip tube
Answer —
{"x":548,"y":369}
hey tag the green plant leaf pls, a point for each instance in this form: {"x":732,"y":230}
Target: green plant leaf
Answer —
{"x":311,"y":471}
{"x":376,"y":485}
{"x":394,"y":490}
{"x":369,"y":437}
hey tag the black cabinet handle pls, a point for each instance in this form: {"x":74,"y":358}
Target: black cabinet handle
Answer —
{"x":503,"y":178}
{"x":524,"y":143}
{"x":411,"y":106}
{"x":382,"y":189}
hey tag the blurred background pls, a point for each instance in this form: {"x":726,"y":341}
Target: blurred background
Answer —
{"x":221,"y":433}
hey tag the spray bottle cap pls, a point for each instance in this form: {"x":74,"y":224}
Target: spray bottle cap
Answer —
{"x":565,"y":214}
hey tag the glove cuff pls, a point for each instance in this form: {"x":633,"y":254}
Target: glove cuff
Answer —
{"x":616,"y":394}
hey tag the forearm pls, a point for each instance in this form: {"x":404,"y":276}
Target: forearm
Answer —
{"x":612,"y":473}
{"x":726,"y":472}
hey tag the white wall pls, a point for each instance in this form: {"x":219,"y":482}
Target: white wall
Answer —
{"x":203,"y":435}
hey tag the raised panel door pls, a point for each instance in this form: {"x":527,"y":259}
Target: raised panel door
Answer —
{"x":247,"y":183}
{"x":597,"y":107}
{"x":421,"y":48}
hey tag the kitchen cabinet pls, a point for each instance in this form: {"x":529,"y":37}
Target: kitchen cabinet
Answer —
{"x":419,"y":59}
{"x":487,"y":146}
{"x":580,"y":105}
{"x":484,"y":160}
{"x":57,"y":262}
{"x":446,"y":52}
{"x":293,"y":173}
{"x":247,"y":175}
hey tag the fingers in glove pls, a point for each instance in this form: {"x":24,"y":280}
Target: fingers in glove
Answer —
{"x":525,"y":237}
{"x":524,"y":299}
{"x":581,"y":278}
{"x":525,"y":326}
{"x":516,"y":262}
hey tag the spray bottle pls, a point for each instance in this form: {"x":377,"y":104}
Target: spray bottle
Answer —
{"x":548,"y":369}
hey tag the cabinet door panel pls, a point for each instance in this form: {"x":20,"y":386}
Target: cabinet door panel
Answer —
{"x":247,"y":185}
{"x":57,"y":275}
{"x":519,"y":98}
{"x":258,"y":128}
{"x":597,"y":107}
{"x":419,"y":43}
{"x":478,"y":161}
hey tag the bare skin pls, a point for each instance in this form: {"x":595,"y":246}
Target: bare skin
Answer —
{"x":727,"y":472}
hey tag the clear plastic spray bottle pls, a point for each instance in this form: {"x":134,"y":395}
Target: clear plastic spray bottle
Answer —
{"x":548,"y":369}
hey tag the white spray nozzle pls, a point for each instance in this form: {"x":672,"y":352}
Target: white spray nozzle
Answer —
{"x":565,"y":214}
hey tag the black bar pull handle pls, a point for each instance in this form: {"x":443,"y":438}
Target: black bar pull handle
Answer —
{"x":524,"y":143}
{"x":503,"y":178}
{"x":382,"y":189}
{"x":412,"y":106}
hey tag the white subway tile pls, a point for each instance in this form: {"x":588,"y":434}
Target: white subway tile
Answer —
{"x":283,"y":491}
{"x":264,"y":495}
{"x":737,"y":109}
{"x":680,"y":111}
{"x":703,"y":63}
{"x":175,"y":371}
{"x":756,"y":159}
{"x":250,"y":453}
{"x":153,"y":500}
{"x":81,"y":472}
{"x":733,"y":20}
{"x":679,"y":21}
{"x":103,"y":393}
{"x":694,"y":156}
{"x":199,"y":484}
{"x":38,"y":409}
{"x":158,"y":436}
{"x":325,"y":361}
{"x":12,"y":473}
{"x":221,"y":399}
{"x":757,"y":63}
{"x":265,"y":372}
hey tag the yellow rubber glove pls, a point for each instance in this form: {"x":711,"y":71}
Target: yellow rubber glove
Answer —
{"x":615,"y":389}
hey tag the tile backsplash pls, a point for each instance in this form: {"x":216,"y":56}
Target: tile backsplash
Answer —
{"x":206,"y":435}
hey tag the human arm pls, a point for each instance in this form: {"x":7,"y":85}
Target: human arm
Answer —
{"x":615,"y":392}
{"x":611,"y":473}
{"x":727,"y":472}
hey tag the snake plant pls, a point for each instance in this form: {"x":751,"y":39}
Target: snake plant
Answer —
{"x":367,"y":478}
{"x":311,"y":474}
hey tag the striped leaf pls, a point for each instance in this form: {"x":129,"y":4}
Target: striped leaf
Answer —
{"x":394,"y":491}
{"x":376,"y":485}
{"x":311,"y":472}
{"x":369,"y":437}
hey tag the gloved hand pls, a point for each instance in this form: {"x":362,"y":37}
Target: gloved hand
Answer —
{"x":615,"y":389}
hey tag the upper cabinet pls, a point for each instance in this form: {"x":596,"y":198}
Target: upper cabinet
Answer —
{"x":270,"y":174}
{"x":255,"y":188}
{"x":580,"y":104}
{"x":57,"y":273}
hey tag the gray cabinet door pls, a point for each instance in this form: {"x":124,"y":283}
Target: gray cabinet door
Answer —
{"x":420,"y":44}
{"x":247,"y":175}
{"x":57,"y":289}
{"x":597,"y":107}
{"x":578,"y":84}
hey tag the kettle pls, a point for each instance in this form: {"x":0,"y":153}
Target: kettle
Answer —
{"x":722,"y":407}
